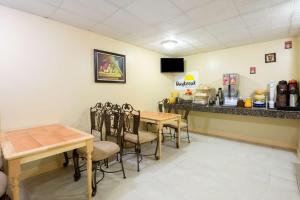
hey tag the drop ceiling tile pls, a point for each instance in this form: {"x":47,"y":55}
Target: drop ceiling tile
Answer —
{"x":175,"y":25}
{"x":55,"y":3}
{"x":121,"y":3}
{"x":93,"y":9}
{"x":256,"y":19}
{"x":296,"y":21}
{"x":184,"y":5}
{"x":32,"y":6}
{"x":107,"y":31}
{"x":213,"y":12}
{"x":153,"y":12}
{"x":123,"y":21}
{"x":73,"y":19}
{"x":228,"y":26}
{"x":230,"y":31}
{"x":246,"y":6}
{"x":281,"y":12}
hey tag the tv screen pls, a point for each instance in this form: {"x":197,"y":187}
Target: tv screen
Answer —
{"x":172,"y":65}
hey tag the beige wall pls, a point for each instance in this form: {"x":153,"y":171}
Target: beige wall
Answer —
{"x":212,"y":65}
{"x":46,"y":75}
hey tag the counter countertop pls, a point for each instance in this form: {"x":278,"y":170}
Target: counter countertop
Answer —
{"x":257,"y":112}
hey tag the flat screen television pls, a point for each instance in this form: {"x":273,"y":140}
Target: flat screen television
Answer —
{"x":171,"y":65}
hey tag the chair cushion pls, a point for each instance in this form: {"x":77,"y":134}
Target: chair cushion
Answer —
{"x":173,"y":124}
{"x":3,"y":183}
{"x":102,"y":150}
{"x":144,"y":137}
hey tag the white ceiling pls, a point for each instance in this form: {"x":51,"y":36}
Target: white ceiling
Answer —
{"x":197,"y":25}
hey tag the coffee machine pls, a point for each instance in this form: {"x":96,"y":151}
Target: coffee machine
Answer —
{"x":293,"y":93}
{"x":282,"y":94}
{"x":230,"y":87}
{"x":287,"y":95}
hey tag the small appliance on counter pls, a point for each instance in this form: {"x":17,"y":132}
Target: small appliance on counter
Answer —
{"x":272,"y":94}
{"x":293,"y":93}
{"x":202,"y":94}
{"x":282,"y":94}
{"x":259,"y":100}
{"x":230,"y":88}
{"x":187,"y":97}
{"x":287,"y":95}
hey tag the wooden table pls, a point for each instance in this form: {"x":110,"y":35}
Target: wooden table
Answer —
{"x":23,"y":146}
{"x":160,"y":118}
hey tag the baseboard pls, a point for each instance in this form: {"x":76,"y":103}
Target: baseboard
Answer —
{"x":245,"y":138}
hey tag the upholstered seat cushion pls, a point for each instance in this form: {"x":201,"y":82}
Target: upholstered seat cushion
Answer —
{"x":102,"y":150}
{"x":3,"y":183}
{"x":173,"y":124}
{"x":144,"y":137}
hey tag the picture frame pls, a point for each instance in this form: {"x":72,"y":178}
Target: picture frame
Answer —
{"x":270,"y":57}
{"x":288,"y":44}
{"x":109,"y":67}
{"x":252,"y":70}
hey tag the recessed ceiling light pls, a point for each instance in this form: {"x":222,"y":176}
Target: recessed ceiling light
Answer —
{"x":169,"y":44}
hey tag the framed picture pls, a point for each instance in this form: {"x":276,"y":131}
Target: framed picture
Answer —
{"x":270,"y":57}
{"x":253,"y":70}
{"x":288,"y":44}
{"x":109,"y":67}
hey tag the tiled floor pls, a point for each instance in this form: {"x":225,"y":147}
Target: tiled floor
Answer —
{"x":209,"y":168}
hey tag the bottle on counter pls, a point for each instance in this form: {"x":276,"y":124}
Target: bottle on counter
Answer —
{"x":217,"y":100}
{"x":248,"y":103}
{"x":221,"y":96}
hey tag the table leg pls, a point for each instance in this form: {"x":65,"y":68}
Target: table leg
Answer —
{"x":178,"y":133}
{"x":14,"y":170}
{"x":158,"y":155}
{"x":89,"y":149}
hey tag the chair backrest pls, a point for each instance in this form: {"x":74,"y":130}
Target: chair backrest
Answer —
{"x":114,"y":119}
{"x":184,"y":112}
{"x":162,"y":105}
{"x":97,"y":119}
{"x":94,"y":116}
{"x":131,"y":119}
{"x":108,"y":105}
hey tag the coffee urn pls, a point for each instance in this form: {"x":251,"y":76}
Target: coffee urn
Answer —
{"x":282,"y":94}
{"x":293,"y":93}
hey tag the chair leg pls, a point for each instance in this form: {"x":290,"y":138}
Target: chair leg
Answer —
{"x":188,"y":134}
{"x":66,"y":163}
{"x":94,"y":179}
{"x":138,"y":158}
{"x":121,"y":161}
{"x":106,"y":162}
{"x":77,"y":174}
{"x":156,"y":149}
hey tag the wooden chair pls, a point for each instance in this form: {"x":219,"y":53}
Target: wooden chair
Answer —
{"x":102,"y":149}
{"x":132,"y":134}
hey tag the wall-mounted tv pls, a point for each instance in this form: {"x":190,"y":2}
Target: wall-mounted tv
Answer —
{"x":172,"y":65}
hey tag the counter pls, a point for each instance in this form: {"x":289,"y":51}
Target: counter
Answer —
{"x":256,"y":112}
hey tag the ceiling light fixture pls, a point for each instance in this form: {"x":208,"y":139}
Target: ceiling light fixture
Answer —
{"x":169,"y":44}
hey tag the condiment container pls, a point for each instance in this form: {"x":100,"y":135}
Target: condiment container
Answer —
{"x":248,"y":103}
